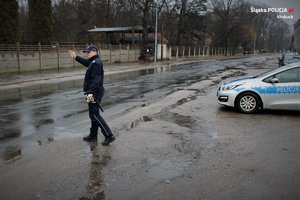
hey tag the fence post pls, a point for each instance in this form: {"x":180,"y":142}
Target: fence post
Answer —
{"x":110,"y":53}
{"x":99,"y":49}
{"x":194,"y":51}
{"x":73,"y":60}
{"x":57,"y":49}
{"x":128,"y":52}
{"x":161,"y":51}
{"x":134,"y":46}
{"x":18,"y":56}
{"x":170,"y":53}
{"x":120,"y":52}
{"x":40,"y":56}
{"x":177,"y":52}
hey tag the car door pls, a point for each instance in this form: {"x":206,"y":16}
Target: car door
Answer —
{"x":284,"y":92}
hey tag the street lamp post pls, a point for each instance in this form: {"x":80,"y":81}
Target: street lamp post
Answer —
{"x":155,"y":43}
{"x":254,"y":42}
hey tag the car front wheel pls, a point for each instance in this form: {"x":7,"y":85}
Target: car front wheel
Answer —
{"x":248,"y":103}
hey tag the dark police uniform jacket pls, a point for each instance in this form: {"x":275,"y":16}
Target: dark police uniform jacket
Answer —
{"x":93,"y":80}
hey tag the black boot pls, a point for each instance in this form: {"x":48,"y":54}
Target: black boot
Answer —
{"x":90,"y":138}
{"x":108,"y":140}
{"x":93,"y":135}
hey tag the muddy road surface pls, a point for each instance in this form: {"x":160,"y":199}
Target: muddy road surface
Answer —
{"x":173,"y":140}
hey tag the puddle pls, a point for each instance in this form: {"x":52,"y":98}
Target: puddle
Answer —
{"x":183,"y":101}
{"x":147,"y":118}
{"x":130,"y":181}
{"x":6,"y":95}
{"x":12,"y":153}
{"x":180,"y":120}
{"x":166,"y":169}
{"x":99,"y":160}
{"x":37,"y":108}
{"x":44,"y":122}
{"x":45,"y":141}
{"x":10,"y":133}
{"x":166,"y":115}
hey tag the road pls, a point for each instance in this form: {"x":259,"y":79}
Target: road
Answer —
{"x":173,"y":140}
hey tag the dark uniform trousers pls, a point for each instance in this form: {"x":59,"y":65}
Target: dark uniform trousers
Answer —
{"x":98,"y":121}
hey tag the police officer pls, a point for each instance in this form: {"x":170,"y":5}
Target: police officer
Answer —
{"x":93,"y":88}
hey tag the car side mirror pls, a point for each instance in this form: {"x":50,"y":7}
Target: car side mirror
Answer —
{"x":274,"y":80}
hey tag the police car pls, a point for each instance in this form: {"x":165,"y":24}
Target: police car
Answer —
{"x":278,"y":89}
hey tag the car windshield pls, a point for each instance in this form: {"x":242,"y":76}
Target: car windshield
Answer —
{"x":265,"y":74}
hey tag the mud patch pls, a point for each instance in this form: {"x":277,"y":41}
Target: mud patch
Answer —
{"x":137,"y":122}
{"x":10,"y":133}
{"x":183,"y":101}
{"x":234,"y":74}
{"x":180,"y":120}
{"x":147,"y":118}
{"x":12,"y":153}
{"x":166,"y":115}
{"x":45,"y":141}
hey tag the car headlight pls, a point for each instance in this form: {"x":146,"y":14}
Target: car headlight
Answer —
{"x":230,"y":87}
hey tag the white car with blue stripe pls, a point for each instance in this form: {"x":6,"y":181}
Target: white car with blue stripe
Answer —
{"x":278,"y":89}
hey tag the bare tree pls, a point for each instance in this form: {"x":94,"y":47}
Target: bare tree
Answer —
{"x":65,"y":23}
{"x":224,"y":11}
{"x":183,"y":22}
{"x":189,"y":14}
{"x":40,"y":21}
{"x":235,"y":26}
{"x":144,"y":7}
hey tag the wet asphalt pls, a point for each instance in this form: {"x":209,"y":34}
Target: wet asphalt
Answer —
{"x":33,"y":109}
{"x":42,"y":125}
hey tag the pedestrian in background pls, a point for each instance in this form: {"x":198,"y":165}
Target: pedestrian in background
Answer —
{"x":93,"y":88}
